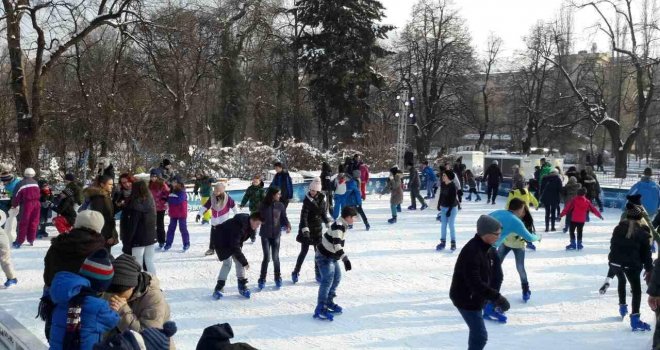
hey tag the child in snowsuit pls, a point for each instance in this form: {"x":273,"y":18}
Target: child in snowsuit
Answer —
{"x":5,"y":254}
{"x":80,"y":315}
{"x":178,"y":204}
{"x":328,"y":254}
{"x":220,"y":204}
{"x":579,"y":207}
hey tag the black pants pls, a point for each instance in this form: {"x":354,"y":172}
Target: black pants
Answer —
{"x":579,"y":226}
{"x":160,"y":226}
{"x":414,"y":194}
{"x":213,"y":229}
{"x":362,"y":214}
{"x":550,"y":214}
{"x":304,"y":248}
{"x":491,"y":192}
{"x":271,"y":248}
{"x":635,"y":286}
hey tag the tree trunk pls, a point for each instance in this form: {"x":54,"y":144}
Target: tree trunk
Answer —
{"x":480,"y":141}
{"x":620,"y":163}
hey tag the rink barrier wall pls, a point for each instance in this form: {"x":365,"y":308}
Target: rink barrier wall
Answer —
{"x":14,"y":336}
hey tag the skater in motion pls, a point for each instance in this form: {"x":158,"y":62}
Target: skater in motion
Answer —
{"x":396,"y":192}
{"x":579,"y":208}
{"x":220,"y":204}
{"x":178,"y":211}
{"x":493,"y":177}
{"x":312,"y":219}
{"x":470,"y":285}
{"x":328,"y":254}
{"x":228,"y":241}
{"x":472,"y":186}
{"x":550,"y":197}
{"x":274,"y":214}
{"x":630,"y":252}
{"x":414,"y":185}
{"x":447,"y":204}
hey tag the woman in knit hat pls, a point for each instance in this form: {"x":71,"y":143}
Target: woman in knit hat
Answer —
{"x":137,"y":297}
{"x":629,"y":254}
{"x":312,"y":218}
{"x":221,"y":206}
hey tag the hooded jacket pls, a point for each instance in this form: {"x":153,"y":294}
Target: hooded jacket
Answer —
{"x":217,"y":337}
{"x":67,"y":252}
{"x":526,"y":197}
{"x":96,"y":316}
{"x":228,"y":238}
{"x":650,"y":192}
{"x":634,"y":252}
{"x":570,"y":190}
{"x":146,"y":308}
{"x":140,"y":223}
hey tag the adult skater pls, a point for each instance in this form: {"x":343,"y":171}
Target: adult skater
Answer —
{"x":160,"y":191}
{"x":26,"y":196}
{"x":353,"y":198}
{"x":139,"y":239}
{"x":447,"y":203}
{"x":282,"y":181}
{"x":5,"y":254}
{"x":550,"y":197}
{"x":328,"y":254}
{"x":99,"y":199}
{"x":396,"y":192}
{"x":327,"y":184}
{"x":493,"y":177}
{"x":470,"y":285}
{"x":430,"y":179}
{"x":414,"y":185}
{"x":649,"y":190}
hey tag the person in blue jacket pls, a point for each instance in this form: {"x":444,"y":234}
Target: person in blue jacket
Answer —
{"x":511,"y":224}
{"x":649,"y":190}
{"x":353,"y":198}
{"x":81,"y":317}
{"x":430,"y":178}
{"x":282,"y":180}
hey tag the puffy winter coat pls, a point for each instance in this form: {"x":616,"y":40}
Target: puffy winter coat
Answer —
{"x":67,"y":252}
{"x":140,"y":224}
{"x":312,"y":217}
{"x":274,"y":218}
{"x":394,"y":186}
{"x":579,"y":207}
{"x":178,"y":205}
{"x":511,"y":225}
{"x":526,"y":197}
{"x":221,"y":208}
{"x":429,"y":174}
{"x":551,"y":190}
{"x":96,"y":316}
{"x":493,"y":175}
{"x":146,"y":308}
{"x":571,"y":189}
{"x":229,"y":236}
{"x":650,"y":193}
{"x":470,"y":284}
{"x":353,"y":195}
{"x":100,"y":201}
{"x":160,"y":193}
{"x":633,"y":252}
{"x":448,"y":197}
{"x":282,"y":180}
{"x":254,"y":195}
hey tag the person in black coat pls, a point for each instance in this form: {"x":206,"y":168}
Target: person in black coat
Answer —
{"x":99,"y":199}
{"x":470,"y":285}
{"x":550,"y":197}
{"x":228,"y":241}
{"x":312,"y":218}
{"x":275,"y":219}
{"x":139,"y":236}
{"x":493,"y":177}
{"x":217,"y":337}
{"x":327,"y":185}
{"x":65,"y":205}
{"x":630,"y":252}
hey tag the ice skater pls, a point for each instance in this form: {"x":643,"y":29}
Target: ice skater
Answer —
{"x":178,"y":211}
{"x":221,"y":206}
{"x":312,"y":219}
{"x":579,"y":208}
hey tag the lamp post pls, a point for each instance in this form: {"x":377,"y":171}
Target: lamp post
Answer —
{"x":406,"y":106}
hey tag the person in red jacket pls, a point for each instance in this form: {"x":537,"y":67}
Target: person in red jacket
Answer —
{"x":364,"y":179}
{"x":26,"y":196}
{"x":579,"y":207}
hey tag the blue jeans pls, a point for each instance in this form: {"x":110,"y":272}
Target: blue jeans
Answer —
{"x":270,"y":246}
{"x":478,"y":333}
{"x":429,"y":189}
{"x":340,"y":202}
{"x":448,"y":221}
{"x":330,"y":278}
{"x":519,"y":255}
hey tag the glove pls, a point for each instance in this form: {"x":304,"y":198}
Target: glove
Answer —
{"x":502,"y":304}
{"x":347,"y":263}
{"x":449,"y":212}
{"x":197,"y":218}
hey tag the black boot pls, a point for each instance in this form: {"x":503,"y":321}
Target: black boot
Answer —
{"x":453,"y":245}
{"x":219,"y":285}
{"x":525,"y":292}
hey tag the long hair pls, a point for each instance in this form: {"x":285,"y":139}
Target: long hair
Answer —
{"x":140,"y":191}
{"x":270,"y":197}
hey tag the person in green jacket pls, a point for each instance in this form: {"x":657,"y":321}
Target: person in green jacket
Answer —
{"x":546,"y":169}
{"x":255,"y":195}
{"x":203,"y":187}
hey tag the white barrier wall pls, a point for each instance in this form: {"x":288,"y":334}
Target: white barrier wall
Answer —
{"x":14,"y":336}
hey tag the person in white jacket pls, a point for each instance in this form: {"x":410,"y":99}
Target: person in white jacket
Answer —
{"x":221,"y":206}
{"x":5,"y":254}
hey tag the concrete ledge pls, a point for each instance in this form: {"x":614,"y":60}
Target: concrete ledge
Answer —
{"x":14,"y":336}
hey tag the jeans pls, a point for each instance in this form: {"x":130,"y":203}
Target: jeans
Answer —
{"x":330,"y":278}
{"x":478,"y":333}
{"x":519,"y":255}
{"x":429,"y":189}
{"x":491,"y":192}
{"x":183,"y":227}
{"x":579,"y":226}
{"x":471,"y":191}
{"x":393,"y":209}
{"x":160,"y":226}
{"x":451,"y":220}
{"x":226,"y":267}
{"x":414,"y":194}
{"x":270,"y":246}
{"x":145,"y":257}
{"x":550,"y":215}
{"x":635,"y":286}
{"x":304,"y":248}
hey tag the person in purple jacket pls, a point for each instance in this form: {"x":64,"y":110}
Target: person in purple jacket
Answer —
{"x":26,"y":196}
{"x":178,"y":211}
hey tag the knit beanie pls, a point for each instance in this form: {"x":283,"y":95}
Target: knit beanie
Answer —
{"x":635,"y":199}
{"x":6,"y":176}
{"x":127,"y":340}
{"x":29,"y":172}
{"x":155,"y":172}
{"x":127,"y":271}
{"x":98,"y":269}
{"x":487,"y":224}
{"x":648,"y":172}
{"x":633,"y":212}
{"x":90,"y":219}
{"x":159,"y":339}
{"x":69,"y":177}
{"x":315,"y":185}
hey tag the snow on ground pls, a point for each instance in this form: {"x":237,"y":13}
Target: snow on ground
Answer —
{"x":395,"y":297}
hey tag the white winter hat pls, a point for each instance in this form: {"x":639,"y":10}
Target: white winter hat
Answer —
{"x":90,"y":219}
{"x":496,"y":162}
{"x":315,"y":185}
{"x":29,"y":172}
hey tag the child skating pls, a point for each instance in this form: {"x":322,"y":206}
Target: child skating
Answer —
{"x":579,"y":208}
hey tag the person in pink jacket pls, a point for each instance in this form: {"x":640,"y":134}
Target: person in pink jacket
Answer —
{"x":364,"y":178}
{"x":579,"y":207}
{"x":221,"y":206}
{"x":160,"y":191}
{"x":26,"y":196}
{"x":178,"y":211}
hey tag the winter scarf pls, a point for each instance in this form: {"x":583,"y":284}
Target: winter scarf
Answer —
{"x":72,"y":335}
{"x":219,"y":202}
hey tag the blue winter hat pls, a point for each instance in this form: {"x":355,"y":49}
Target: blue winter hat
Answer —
{"x":159,"y":339}
{"x":98,"y":269}
{"x":155,"y":172}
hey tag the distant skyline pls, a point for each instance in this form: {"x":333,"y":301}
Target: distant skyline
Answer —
{"x":509,"y":19}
